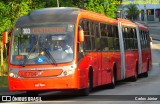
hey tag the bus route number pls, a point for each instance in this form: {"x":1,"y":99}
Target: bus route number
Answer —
{"x":26,"y":31}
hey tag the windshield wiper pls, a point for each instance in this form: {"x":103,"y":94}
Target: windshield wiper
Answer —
{"x":25,"y":61}
{"x":49,"y":54}
{"x":46,"y":51}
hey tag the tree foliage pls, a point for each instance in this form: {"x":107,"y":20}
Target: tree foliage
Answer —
{"x":132,"y":11}
{"x":107,"y":7}
{"x":4,"y":20}
{"x":11,"y":11}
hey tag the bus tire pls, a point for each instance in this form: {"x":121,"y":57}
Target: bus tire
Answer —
{"x":135,"y":77}
{"x":86,"y":91}
{"x":113,"y":83}
{"x":146,"y":73}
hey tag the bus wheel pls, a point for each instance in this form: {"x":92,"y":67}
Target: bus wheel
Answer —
{"x":135,"y":77}
{"x":32,"y":93}
{"x":146,"y":73}
{"x":86,"y":91}
{"x":113,"y":83}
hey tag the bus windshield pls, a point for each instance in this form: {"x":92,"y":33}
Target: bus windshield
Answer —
{"x":42,"y":44}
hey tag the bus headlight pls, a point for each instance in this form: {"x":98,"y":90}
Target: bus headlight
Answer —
{"x":68,"y":72}
{"x":13,"y":75}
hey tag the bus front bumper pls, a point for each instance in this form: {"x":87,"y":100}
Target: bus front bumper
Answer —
{"x":58,"y":83}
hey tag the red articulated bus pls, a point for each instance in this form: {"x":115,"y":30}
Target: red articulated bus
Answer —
{"x":74,"y":49}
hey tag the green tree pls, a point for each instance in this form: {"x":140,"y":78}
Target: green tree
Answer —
{"x":77,"y":3}
{"x":107,"y":7}
{"x":10,"y":11}
{"x":37,"y":4}
{"x":132,"y":11}
{"x":4,"y":18}
{"x":66,"y":3}
{"x":18,"y":8}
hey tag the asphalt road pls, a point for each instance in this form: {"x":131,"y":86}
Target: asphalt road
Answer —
{"x":155,"y":32}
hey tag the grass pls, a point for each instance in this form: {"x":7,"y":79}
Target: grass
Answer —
{"x":5,"y":66}
{"x":3,"y":81}
{"x":3,"y":71}
{"x":3,"y":74}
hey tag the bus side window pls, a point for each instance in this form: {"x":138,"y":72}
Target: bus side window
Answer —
{"x":97,"y":37}
{"x":92,"y":34}
{"x":87,"y":43}
{"x":104,"y":36}
{"x":135,"y":39}
{"x":110,"y":37}
{"x":125,"y":38}
{"x":116,"y":38}
{"x":130,"y":38}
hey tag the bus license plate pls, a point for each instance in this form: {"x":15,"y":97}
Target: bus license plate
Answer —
{"x":28,"y":74}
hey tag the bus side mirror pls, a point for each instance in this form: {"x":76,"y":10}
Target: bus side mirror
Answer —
{"x":80,"y":34}
{"x":5,"y":37}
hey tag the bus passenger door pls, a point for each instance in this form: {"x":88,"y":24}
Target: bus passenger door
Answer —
{"x":97,"y":70}
{"x":106,"y":45}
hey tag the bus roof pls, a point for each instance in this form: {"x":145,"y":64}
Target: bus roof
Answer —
{"x":97,"y":17}
{"x":126,"y":22}
{"x":141,"y":26}
{"x":49,"y":15}
{"x":60,"y":14}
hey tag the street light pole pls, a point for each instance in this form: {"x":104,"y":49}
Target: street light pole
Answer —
{"x":82,"y":4}
{"x":57,"y":3}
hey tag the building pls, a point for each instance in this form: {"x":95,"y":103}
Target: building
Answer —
{"x":152,"y":12}
{"x":152,"y":8}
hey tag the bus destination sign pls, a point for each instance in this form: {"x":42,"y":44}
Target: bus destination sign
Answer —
{"x":44,"y":30}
